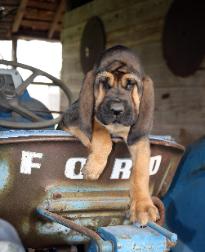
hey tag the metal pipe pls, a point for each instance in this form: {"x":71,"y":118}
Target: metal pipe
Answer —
{"x":70,"y":224}
{"x":169,"y":235}
{"x":161,"y":208}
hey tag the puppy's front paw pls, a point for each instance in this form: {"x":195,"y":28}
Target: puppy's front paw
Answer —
{"x":89,"y":174}
{"x":92,"y":170}
{"x":143,"y":211}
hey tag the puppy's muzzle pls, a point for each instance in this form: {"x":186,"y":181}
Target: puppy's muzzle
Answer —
{"x":117,"y":108}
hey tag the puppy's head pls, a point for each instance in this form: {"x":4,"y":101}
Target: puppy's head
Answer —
{"x":119,"y":93}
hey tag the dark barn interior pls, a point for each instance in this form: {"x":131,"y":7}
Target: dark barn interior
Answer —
{"x":167,"y":35}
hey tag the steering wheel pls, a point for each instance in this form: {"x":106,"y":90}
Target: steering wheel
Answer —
{"x":10,"y":101}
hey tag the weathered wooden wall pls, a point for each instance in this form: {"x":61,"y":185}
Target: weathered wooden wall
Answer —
{"x":180,"y":103}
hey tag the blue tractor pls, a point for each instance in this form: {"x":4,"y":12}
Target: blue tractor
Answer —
{"x":43,"y":194}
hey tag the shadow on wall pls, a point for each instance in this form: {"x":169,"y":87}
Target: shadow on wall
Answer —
{"x":184,"y":37}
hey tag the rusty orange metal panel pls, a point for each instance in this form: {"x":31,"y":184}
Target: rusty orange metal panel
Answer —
{"x":44,"y":170}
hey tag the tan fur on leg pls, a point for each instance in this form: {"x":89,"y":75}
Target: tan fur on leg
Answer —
{"x":80,"y":135}
{"x":142,"y":208}
{"x":101,"y":146}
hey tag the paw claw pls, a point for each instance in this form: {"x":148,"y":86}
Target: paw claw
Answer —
{"x":153,"y":213}
{"x":89,"y":175}
{"x":143,"y":212}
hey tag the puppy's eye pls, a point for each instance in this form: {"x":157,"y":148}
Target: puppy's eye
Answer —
{"x":105,"y":82}
{"x":129,"y":84}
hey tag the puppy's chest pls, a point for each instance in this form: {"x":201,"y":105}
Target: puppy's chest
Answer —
{"x":118,"y":130}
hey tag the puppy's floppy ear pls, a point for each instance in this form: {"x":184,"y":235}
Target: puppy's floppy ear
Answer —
{"x":143,"y":125}
{"x":86,"y":104}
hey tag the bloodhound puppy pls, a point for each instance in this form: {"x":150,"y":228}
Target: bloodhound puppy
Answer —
{"x":117,"y":99}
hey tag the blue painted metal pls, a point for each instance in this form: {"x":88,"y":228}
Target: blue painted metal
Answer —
{"x":92,"y":204}
{"x":4,"y":174}
{"x":29,"y":133}
{"x":120,"y":238}
{"x":129,"y":238}
{"x":102,"y":246}
{"x":48,"y":132}
{"x":7,"y":115}
{"x":169,"y":235}
{"x":185,"y":202}
{"x":9,"y":239}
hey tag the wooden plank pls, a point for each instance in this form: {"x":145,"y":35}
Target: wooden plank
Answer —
{"x":72,"y":34}
{"x":19,"y":15}
{"x":117,"y":22}
{"x":38,"y":14}
{"x":163,"y":77}
{"x":101,"y":7}
{"x":51,"y":6}
{"x":57,"y":18}
{"x":116,"y":12}
{"x":5,"y":26}
{"x":180,"y":112}
{"x":183,"y":134}
{"x":14,"y":50}
{"x":135,"y":36}
{"x":97,"y":7}
{"x":6,"y":19}
{"x":11,"y":3}
{"x":72,"y":54}
{"x":135,"y":16}
{"x":5,"y":35}
{"x":184,"y":105}
{"x":70,"y":47}
{"x":37,"y":25}
{"x":26,"y":34}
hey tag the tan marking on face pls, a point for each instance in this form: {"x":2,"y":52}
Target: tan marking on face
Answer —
{"x":118,"y":130}
{"x":99,"y":95}
{"x":135,"y":98}
{"x":135,"y":95}
{"x":100,"y":92}
{"x":106,"y":75}
{"x":129,"y":76}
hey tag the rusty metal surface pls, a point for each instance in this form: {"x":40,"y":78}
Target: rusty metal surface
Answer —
{"x":161,"y":208}
{"x":92,"y":204}
{"x":66,"y":222}
{"x":101,"y":244}
{"x":108,"y":238}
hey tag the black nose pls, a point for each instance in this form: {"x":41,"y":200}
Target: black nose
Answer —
{"x":117,"y":108}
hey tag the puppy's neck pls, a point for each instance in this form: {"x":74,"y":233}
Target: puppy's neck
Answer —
{"x":116,"y":130}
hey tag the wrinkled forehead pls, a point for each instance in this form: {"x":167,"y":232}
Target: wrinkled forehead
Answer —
{"x":120,"y":62}
{"x":112,"y":77}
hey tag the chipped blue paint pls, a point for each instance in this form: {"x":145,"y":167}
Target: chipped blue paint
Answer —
{"x":85,"y":204}
{"x":169,"y":235}
{"x":4,"y":174}
{"x":93,"y":187}
{"x":53,"y":229}
{"x":30,"y":133}
{"x":50,"y":228}
{"x":168,"y":139}
{"x":129,"y":238}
